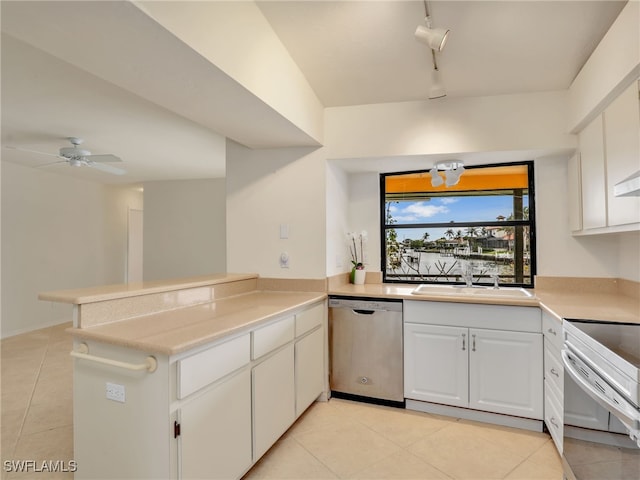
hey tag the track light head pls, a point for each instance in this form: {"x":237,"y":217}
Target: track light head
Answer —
{"x":434,"y":38}
{"x":436,"y":90}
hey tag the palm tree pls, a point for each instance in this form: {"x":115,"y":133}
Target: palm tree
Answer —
{"x":449,"y":234}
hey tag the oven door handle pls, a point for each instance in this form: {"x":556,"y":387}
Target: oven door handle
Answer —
{"x":625,"y":412}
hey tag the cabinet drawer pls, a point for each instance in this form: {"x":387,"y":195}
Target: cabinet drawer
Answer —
{"x":553,"y":369}
{"x":206,"y":367}
{"x":309,"y":319}
{"x":553,"y":418}
{"x":272,"y":336}
{"x":552,"y":330}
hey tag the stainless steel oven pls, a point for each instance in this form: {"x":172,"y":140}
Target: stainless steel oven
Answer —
{"x":602,"y":360}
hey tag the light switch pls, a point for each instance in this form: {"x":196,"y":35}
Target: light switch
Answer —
{"x":284,"y":231}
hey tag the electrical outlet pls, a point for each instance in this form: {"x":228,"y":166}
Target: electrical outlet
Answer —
{"x":115,"y":392}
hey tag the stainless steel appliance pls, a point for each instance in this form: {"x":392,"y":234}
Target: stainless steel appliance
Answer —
{"x":603,"y":359}
{"x":366,"y":353}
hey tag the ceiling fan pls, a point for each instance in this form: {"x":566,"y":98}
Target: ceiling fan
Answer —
{"x":79,"y":157}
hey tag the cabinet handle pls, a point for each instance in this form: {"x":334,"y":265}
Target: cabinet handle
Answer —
{"x":473,"y":347}
{"x":464,"y":342}
{"x":553,"y":371}
{"x":552,"y":331}
{"x":553,"y":422}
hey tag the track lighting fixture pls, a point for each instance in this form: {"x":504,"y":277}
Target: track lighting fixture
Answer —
{"x":436,"y":90}
{"x":435,"y":38}
{"x":453,"y":169}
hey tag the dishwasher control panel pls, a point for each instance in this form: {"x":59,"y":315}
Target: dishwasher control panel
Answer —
{"x":366,"y":304}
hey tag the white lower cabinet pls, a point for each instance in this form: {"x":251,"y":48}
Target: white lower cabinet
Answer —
{"x":553,"y":379}
{"x":505,"y":372}
{"x":436,"y":366}
{"x":454,"y":363}
{"x":489,"y":370}
{"x":273,"y":399}
{"x":210,"y":412}
{"x":217,"y":426}
{"x":309,"y":369}
{"x":580,"y":410}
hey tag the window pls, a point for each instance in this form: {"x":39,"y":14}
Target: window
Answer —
{"x":485,"y":224}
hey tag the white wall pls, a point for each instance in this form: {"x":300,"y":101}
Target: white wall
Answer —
{"x":450,"y":125}
{"x":337,"y":219}
{"x":629,"y":256}
{"x":184,"y":228}
{"x":612,"y":66}
{"x":269,"y":188}
{"x":239,"y":40}
{"x":560,"y":253}
{"x":58,"y":232}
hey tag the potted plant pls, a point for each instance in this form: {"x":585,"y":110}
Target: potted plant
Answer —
{"x":358,"y":272}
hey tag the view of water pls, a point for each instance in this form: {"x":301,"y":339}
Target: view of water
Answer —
{"x":433,"y":267}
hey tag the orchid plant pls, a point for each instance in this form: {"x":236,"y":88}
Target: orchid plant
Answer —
{"x":354,"y":241}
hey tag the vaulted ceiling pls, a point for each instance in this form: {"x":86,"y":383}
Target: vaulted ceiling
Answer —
{"x":74,"y":69}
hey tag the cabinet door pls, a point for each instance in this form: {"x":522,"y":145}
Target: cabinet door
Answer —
{"x":505,"y":372}
{"x":575,"y":193}
{"x":436,"y":364}
{"x":580,"y":410}
{"x":309,"y":369}
{"x":622,"y":146}
{"x":273,"y":399}
{"x":594,"y":201}
{"x":216,"y":430}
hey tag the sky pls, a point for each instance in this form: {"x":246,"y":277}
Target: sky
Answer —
{"x":448,"y":209}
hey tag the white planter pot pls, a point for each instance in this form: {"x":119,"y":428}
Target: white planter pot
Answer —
{"x":359,"y":277}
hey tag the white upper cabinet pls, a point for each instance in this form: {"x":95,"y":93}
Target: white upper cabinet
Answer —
{"x":575,"y":194}
{"x":594,"y":199}
{"x":622,"y":150}
{"x":609,"y":152}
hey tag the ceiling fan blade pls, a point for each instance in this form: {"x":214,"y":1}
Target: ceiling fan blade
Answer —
{"x":32,"y":151}
{"x":103,"y":158}
{"x":106,"y":168}
{"x":52,"y":163}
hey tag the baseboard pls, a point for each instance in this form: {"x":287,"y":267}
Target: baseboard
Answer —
{"x":476,"y":415}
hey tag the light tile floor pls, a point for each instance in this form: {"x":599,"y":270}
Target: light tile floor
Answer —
{"x":336,"y":439}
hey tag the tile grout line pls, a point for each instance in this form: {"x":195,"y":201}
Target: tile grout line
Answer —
{"x":33,"y":390}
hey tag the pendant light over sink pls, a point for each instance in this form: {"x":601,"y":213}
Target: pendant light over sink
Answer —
{"x":453,"y":169}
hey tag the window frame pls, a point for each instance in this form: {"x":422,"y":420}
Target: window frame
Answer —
{"x":530,"y":222}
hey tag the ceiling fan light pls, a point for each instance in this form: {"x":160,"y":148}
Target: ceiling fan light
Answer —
{"x":437,"y":89}
{"x":434,"y":38}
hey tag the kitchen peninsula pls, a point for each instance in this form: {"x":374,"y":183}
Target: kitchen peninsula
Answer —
{"x":194,"y":378}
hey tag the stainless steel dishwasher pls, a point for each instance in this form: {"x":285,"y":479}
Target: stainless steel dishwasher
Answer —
{"x":366,"y":356}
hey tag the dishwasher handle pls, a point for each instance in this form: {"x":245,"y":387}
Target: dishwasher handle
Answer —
{"x":359,"y":311}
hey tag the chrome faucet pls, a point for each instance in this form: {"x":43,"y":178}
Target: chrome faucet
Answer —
{"x":466,"y":273}
{"x":496,"y":279}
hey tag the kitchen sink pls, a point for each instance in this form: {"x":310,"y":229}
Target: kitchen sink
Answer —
{"x":475,"y":291}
